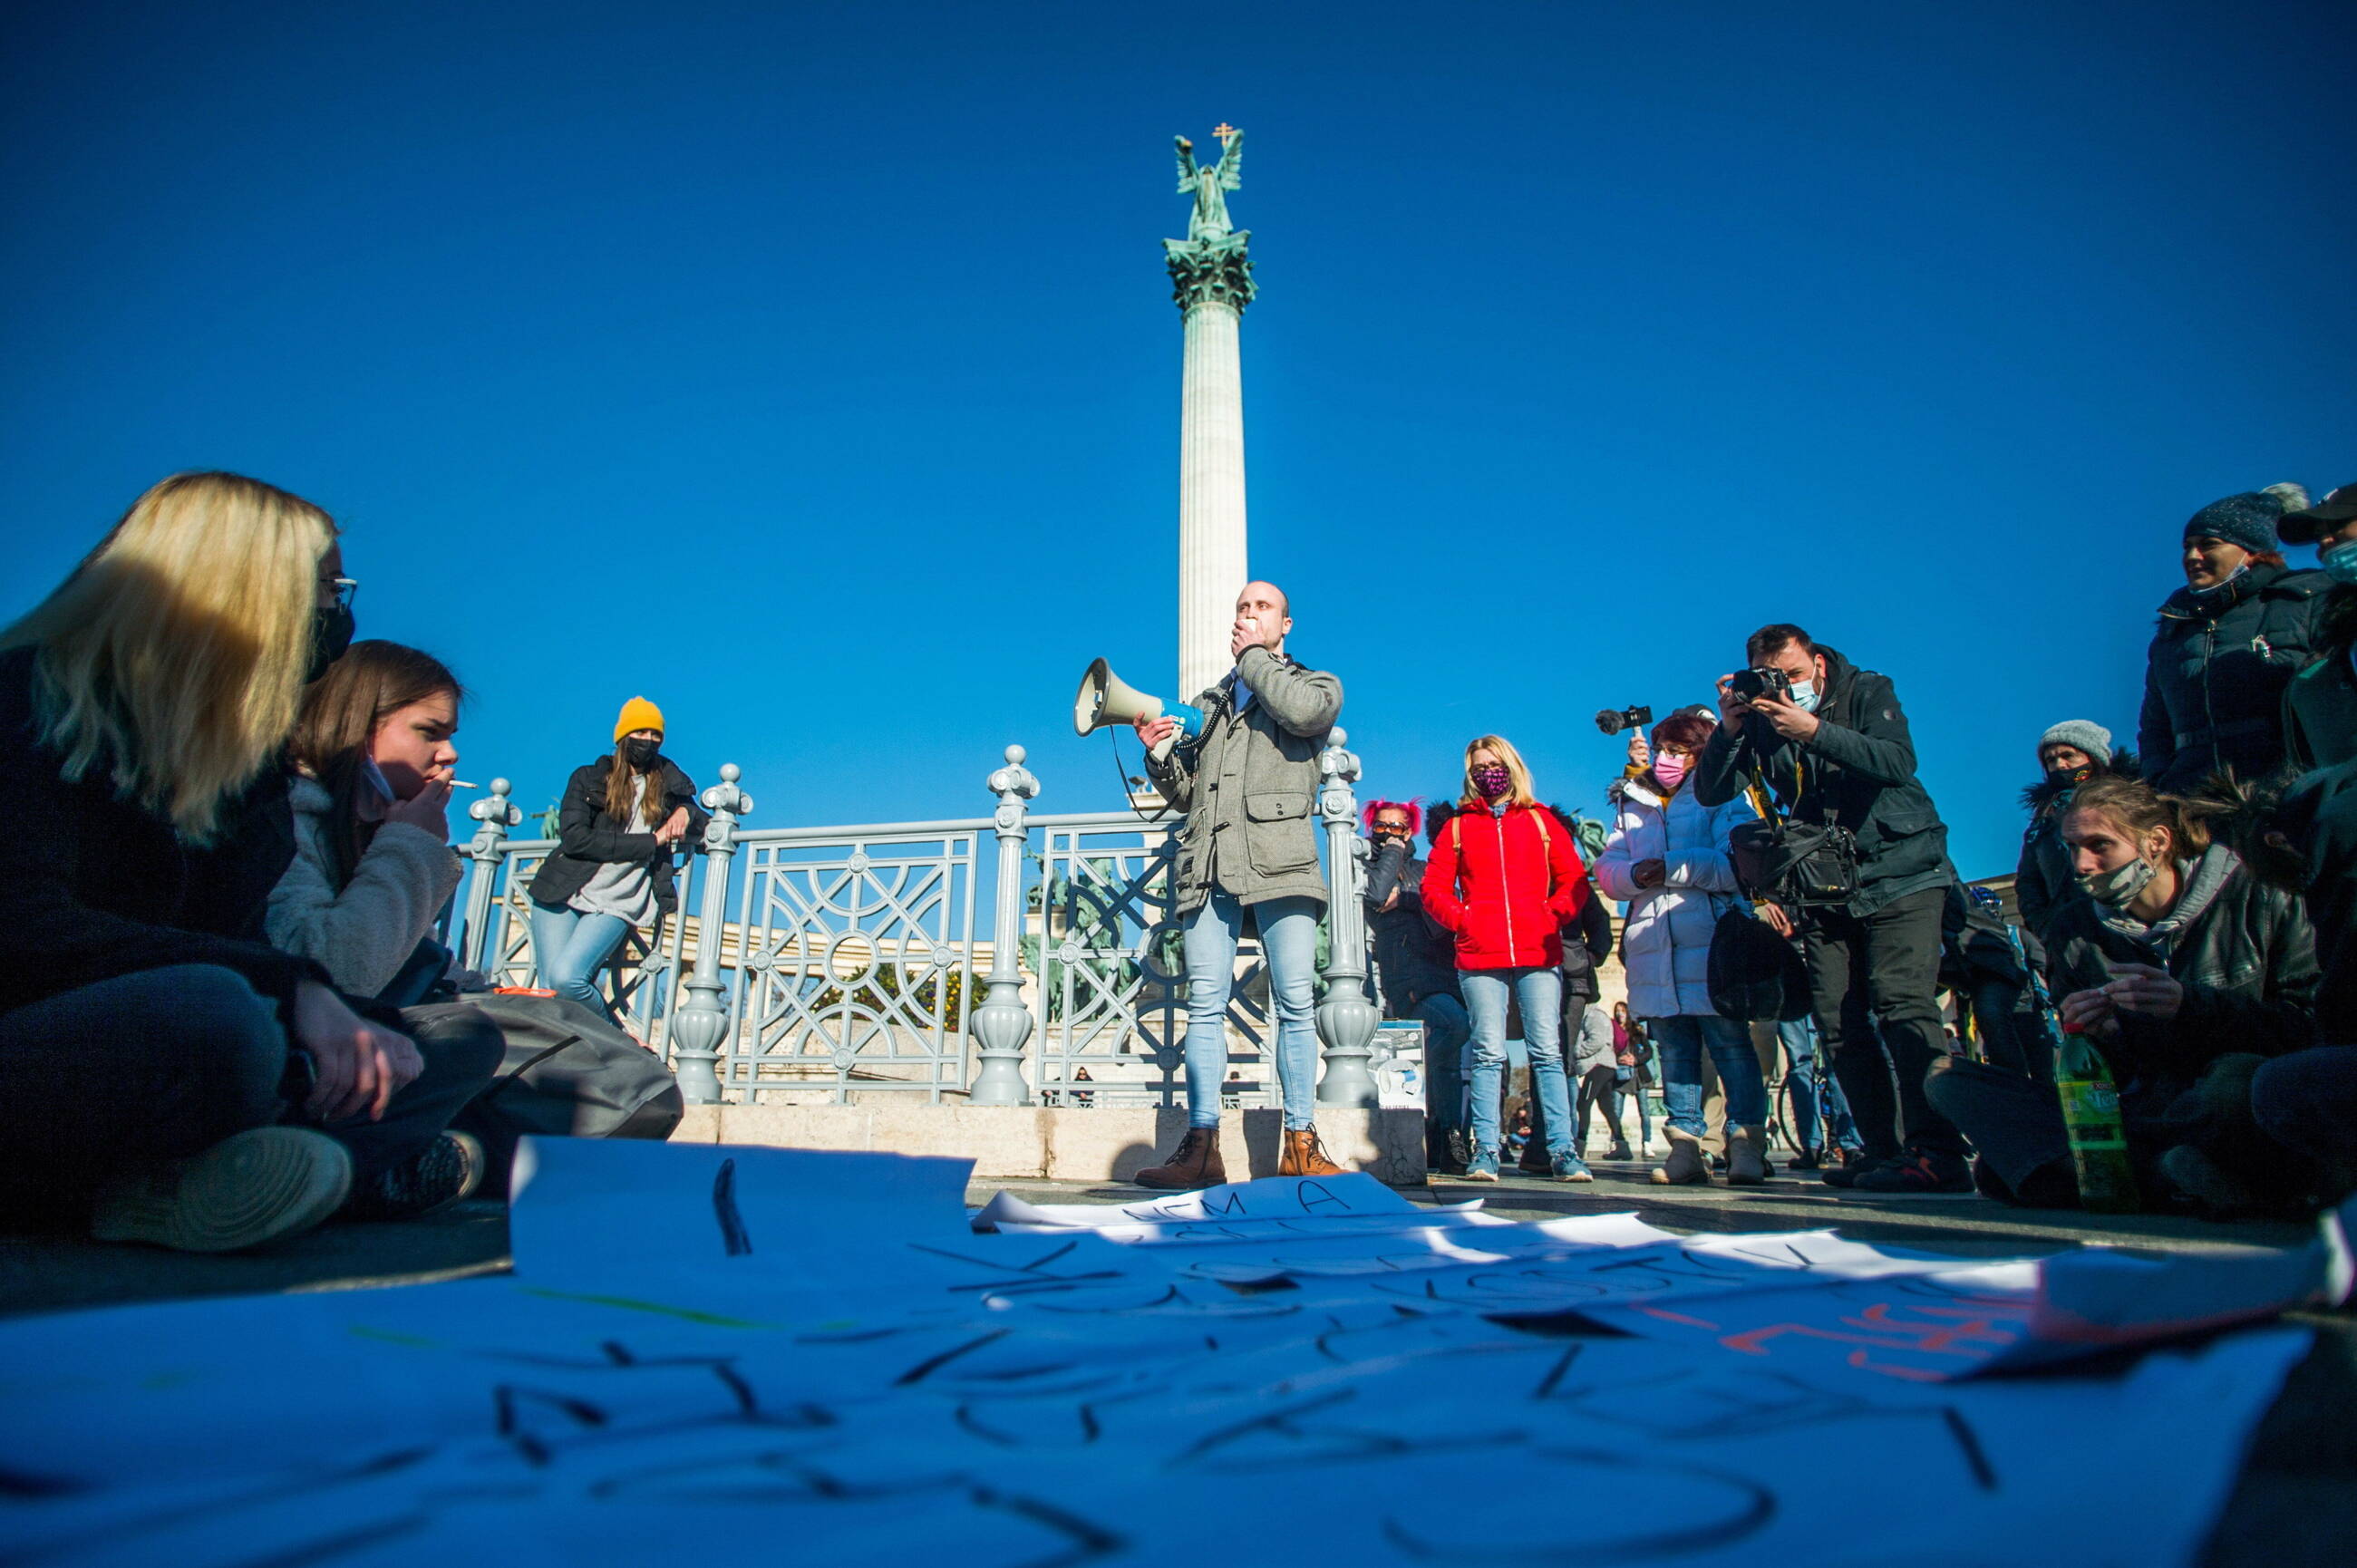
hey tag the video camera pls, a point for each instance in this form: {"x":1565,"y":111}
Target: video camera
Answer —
{"x":1613,"y":721}
{"x":1766,"y":680}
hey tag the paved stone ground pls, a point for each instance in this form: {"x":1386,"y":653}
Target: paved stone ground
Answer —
{"x":2296,"y":1503}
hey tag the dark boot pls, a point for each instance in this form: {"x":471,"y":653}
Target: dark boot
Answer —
{"x":1195,"y":1162}
{"x":1305,"y":1156}
{"x":1444,"y":1151}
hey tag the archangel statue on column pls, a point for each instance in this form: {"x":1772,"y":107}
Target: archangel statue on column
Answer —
{"x":1208,"y":184}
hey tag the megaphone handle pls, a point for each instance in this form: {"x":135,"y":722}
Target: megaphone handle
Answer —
{"x":1161,"y":749}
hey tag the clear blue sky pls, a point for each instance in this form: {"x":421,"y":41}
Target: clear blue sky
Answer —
{"x":812,"y":369}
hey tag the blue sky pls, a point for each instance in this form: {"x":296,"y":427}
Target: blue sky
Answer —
{"x":812,"y":370}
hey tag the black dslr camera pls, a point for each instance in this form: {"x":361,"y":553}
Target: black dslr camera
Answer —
{"x":1767,"y":680}
{"x":1612,"y":721}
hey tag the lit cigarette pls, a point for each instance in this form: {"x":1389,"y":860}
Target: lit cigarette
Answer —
{"x":462,"y":784}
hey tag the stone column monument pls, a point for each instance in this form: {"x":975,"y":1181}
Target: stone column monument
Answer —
{"x":1210,"y":276}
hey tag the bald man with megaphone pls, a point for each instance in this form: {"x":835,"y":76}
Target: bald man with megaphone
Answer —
{"x":1248,"y":786}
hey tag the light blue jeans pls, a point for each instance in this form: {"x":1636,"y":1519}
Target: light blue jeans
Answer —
{"x":1680,"y":1042}
{"x":1540,"y":991}
{"x":571,"y":948}
{"x":1799,"y":1038}
{"x":1288,"y":935}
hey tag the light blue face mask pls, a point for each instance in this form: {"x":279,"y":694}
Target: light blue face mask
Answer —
{"x":1805,"y":696}
{"x":2340,"y":563}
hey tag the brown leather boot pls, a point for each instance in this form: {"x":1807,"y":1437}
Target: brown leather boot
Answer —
{"x":1305,"y":1156}
{"x":1195,"y":1162}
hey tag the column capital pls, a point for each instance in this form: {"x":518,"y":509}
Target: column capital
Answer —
{"x":1211,"y":271}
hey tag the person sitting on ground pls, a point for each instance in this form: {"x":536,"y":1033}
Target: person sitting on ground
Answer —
{"x":2176,"y":956}
{"x":1668,"y":861}
{"x":1418,"y":965}
{"x":2068,"y":754}
{"x":1505,"y":880}
{"x":372,"y":866}
{"x":165,"y":1075}
{"x":2228,"y":643}
{"x":623,"y":819}
{"x":2320,"y":703}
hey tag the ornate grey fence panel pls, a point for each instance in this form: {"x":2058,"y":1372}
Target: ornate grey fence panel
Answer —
{"x":851,"y":960}
{"x":1109,"y":970}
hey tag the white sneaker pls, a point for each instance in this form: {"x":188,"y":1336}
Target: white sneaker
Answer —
{"x":251,"y":1188}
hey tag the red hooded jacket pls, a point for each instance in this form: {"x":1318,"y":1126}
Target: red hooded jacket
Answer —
{"x":1506,"y":886}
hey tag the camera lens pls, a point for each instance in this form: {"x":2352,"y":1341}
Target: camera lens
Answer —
{"x":1747,"y":685}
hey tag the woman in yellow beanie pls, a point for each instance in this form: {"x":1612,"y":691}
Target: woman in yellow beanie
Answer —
{"x":624,"y":817}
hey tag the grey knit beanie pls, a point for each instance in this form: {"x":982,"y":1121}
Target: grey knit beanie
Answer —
{"x":2247,"y":520}
{"x":2085,"y":733}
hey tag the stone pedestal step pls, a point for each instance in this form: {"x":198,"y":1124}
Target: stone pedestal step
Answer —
{"x":1062,"y":1144}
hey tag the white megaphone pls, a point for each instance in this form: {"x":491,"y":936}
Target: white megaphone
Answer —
{"x":1106,"y":700}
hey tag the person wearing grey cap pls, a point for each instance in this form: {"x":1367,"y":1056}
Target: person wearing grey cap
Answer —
{"x":2320,"y":704}
{"x":2227,"y":645}
{"x":2068,"y":754}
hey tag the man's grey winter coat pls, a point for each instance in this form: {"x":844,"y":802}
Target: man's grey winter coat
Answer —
{"x":1249,"y":787}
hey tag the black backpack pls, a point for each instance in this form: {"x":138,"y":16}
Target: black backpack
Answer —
{"x":1755,"y":976}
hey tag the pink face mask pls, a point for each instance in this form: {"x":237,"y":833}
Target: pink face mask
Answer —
{"x":1670,"y":770}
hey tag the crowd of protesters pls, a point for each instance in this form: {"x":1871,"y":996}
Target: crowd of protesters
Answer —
{"x":2184,"y":925}
{"x":225,"y":1016}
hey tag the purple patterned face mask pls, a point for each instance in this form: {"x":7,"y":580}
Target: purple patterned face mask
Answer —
{"x":1492,"y":779}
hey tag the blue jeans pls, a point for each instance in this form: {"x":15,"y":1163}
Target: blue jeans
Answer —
{"x":1799,"y":1038}
{"x":1446,"y":1029}
{"x":1540,"y":991}
{"x":1680,"y":1042}
{"x":570,"y":948}
{"x":1288,"y":935}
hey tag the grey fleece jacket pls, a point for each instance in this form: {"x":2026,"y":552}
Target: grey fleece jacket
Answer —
{"x":362,"y":932}
{"x":1249,"y":787}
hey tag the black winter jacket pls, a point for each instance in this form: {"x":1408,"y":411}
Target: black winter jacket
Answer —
{"x":2320,"y":703}
{"x":2041,"y":879}
{"x":2247,"y":960}
{"x":1417,"y":957}
{"x":587,"y":838}
{"x":2214,"y":677}
{"x":92,"y":887}
{"x":1856,"y":772}
{"x":1582,"y":958}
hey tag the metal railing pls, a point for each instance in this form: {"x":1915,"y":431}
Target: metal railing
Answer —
{"x":817,"y":963}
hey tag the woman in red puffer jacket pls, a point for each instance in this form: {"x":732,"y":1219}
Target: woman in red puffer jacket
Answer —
{"x":1505,"y":879}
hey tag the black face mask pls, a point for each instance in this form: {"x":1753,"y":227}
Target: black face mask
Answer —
{"x":642,"y":753}
{"x":2064,"y":779}
{"x":332,"y":634}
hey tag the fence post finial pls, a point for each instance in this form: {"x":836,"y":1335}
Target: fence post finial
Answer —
{"x":1002,"y":1025}
{"x":494,"y":815}
{"x":703,"y":1020}
{"x":1347,"y":1018}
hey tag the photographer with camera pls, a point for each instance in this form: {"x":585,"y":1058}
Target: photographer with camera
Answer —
{"x":1859,"y":867}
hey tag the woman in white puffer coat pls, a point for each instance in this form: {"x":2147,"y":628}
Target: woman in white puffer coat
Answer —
{"x":1667,"y":860}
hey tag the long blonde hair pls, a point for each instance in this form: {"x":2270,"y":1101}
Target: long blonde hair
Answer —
{"x":174,"y":653}
{"x":1518,"y":774}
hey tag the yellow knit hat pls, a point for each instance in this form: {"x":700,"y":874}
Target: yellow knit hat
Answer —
{"x":637,"y":714}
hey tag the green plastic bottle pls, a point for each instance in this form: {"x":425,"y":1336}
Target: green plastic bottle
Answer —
{"x":2099,"y":1146}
